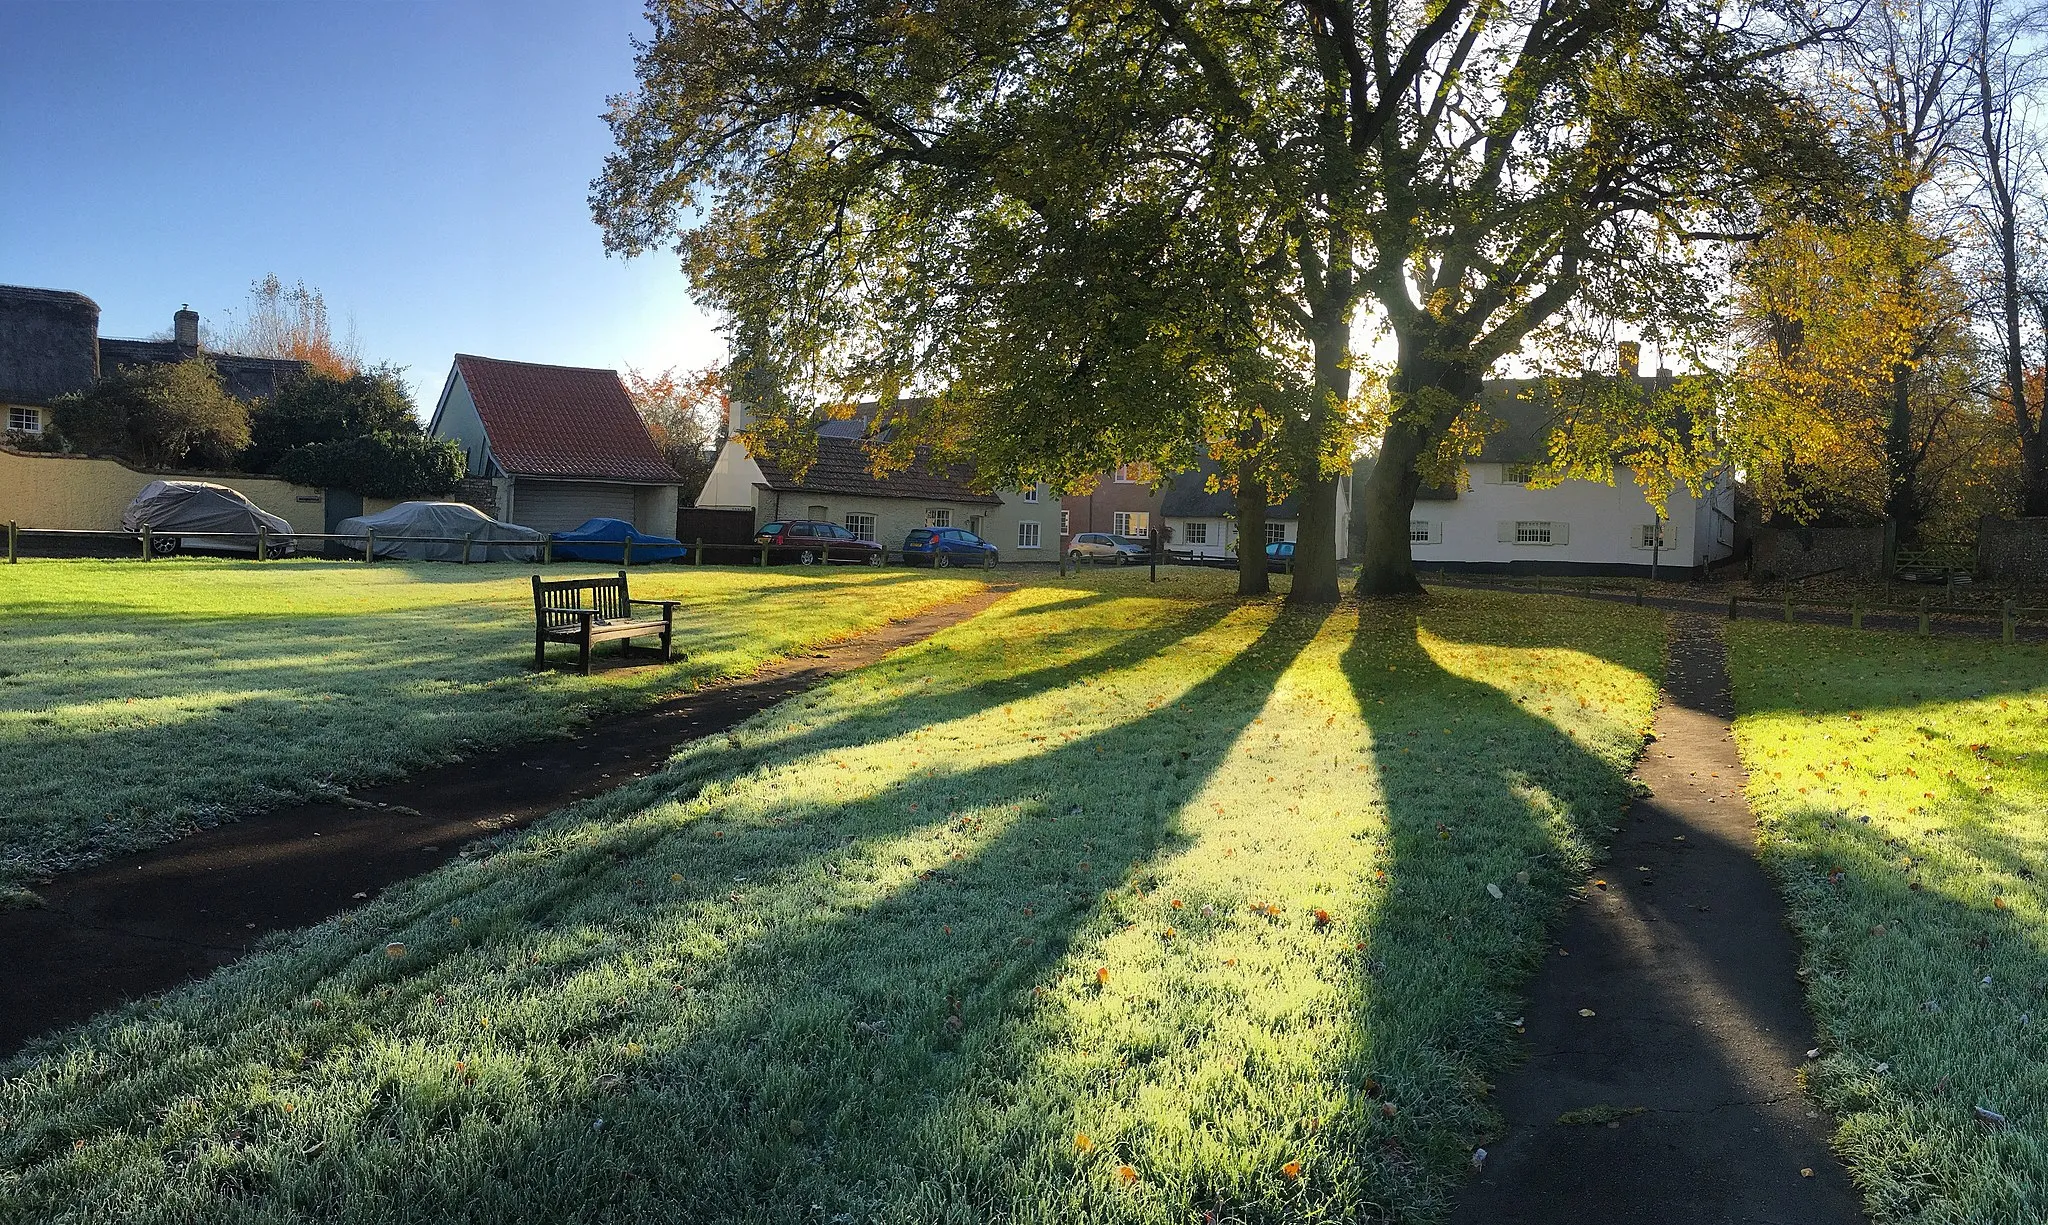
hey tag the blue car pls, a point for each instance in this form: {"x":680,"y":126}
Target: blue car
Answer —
{"x":605,"y":540}
{"x":947,"y":546}
{"x":1280,"y":557}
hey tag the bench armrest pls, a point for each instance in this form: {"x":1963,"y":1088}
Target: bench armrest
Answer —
{"x":661,"y":603}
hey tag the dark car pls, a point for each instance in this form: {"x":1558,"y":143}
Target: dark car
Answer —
{"x":1280,"y":557}
{"x":947,"y":546}
{"x":808,"y":542}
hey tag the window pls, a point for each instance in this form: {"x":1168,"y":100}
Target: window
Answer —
{"x":24,"y":420}
{"x":1419,"y":532}
{"x":1650,"y":536}
{"x":861,"y":526}
{"x":938,"y":516}
{"x":1027,"y":535}
{"x":1130,"y":522}
{"x":1517,"y":474}
{"x":1527,"y":532}
{"x":1031,"y":494}
{"x":1198,"y":533}
{"x":1066,"y":523}
{"x":1276,"y":533}
{"x":1124,"y":477}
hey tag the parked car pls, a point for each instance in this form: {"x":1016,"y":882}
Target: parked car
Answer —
{"x":809,"y":541}
{"x":1104,"y":547}
{"x":437,"y":531}
{"x":189,"y":515}
{"x":1280,"y":557}
{"x":605,"y":540}
{"x":947,"y":546}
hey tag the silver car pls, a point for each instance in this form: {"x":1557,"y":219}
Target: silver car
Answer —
{"x":1104,"y":547}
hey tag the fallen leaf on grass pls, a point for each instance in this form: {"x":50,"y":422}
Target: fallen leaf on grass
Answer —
{"x":1291,"y":1171}
{"x":1102,"y":977}
{"x":1587,"y":1012}
{"x":1082,"y":1143}
{"x":394,"y":949}
{"x":1128,"y":1174}
{"x":1494,"y":891}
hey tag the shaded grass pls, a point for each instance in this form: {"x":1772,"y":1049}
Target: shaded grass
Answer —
{"x":1901,"y":787}
{"x":139,"y":702}
{"x":960,"y":937}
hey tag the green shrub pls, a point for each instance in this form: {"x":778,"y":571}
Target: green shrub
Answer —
{"x":378,"y":465}
{"x":162,"y":416}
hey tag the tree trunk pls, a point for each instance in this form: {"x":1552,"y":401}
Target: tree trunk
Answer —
{"x":1251,"y":528}
{"x":1902,"y":483}
{"x":1315,"y":540}
{"x":1427,"y":391}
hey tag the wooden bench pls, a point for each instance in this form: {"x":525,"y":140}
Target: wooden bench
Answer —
{"x":562,"y":613}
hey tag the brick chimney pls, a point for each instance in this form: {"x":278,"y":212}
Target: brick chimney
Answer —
{"x":185,"y":328}
{"x":1631,"y":353}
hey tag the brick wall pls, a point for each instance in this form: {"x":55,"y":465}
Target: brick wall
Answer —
{"x":2013,"y":550}
{"x":1784,"y":554}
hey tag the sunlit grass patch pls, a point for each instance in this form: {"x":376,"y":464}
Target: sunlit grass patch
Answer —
{"x":1102,"y":906}
{"x":140,"y":701}
{"x":1902,"y":789}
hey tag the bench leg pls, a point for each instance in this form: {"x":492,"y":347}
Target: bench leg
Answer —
{"x":583,"y":653}
{"x":668,"y":633}
{"x":540,"y":652}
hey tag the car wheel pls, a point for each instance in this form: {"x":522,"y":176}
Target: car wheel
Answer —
{"x":163,"y":546}
{"x":940,"y":561}
{"x":1074,"y":556}
{"x":1122,"y":558}
{"x":875,"y":558}
{"x":988,"y":560}
{"x":279,"y":551}
{"x":807,"y":558}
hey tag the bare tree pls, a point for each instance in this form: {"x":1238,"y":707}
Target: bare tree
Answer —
{"x":2012,"y":208}
{"x":290,"y":321}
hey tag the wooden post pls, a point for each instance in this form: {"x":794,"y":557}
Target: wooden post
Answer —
{"x":697,"y":553}
{"x":145,"y":542}
{"x":262,"y":542}
{"x":1788,"y":608}
{"x":1923,"y":616}
{"x":1856,"y":613}
{"x":13,"y":548}
{"x":1731,"y":606}
{"x":547,"y":549}
{"x":369,"y":544}
{"x":1155,"y":554}
{"x":626,"y":554}
{"x":465,"y":547}
{"x":2008,"y":629}
{"x":764,"y":556}
{"x":1640,"y":587}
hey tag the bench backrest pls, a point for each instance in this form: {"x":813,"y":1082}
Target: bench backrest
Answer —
{"x":555,"y":604}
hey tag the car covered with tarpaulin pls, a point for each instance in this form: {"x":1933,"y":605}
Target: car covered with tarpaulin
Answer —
{"x":605,"y":540}
{"x":206,"y":516}
{"x":438,"y":531}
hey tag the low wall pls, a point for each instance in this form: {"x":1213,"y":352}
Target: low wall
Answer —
{"x":71,"y":491}
{"x":1786,"y":554}
{"x":2012,"y":550}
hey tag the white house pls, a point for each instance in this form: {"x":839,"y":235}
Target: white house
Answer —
{"x":1203,"y":524}
{"x":1495,"y":520}
{"x":841,"y":487}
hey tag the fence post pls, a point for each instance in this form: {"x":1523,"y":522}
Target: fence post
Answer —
{"x":1856,"y":613}
{"x":13,"y":533}
{"x":1731,"y":606}
{"x":1639,"y":591}
{"x":1788,"y":609}
{"x":465,"y":547}
{"x":262,"y":542}
{"x":2007,"y":629}
{"x":697,"y":553}
{"x":626,"y":554}
{"x":369,"y":545}
{"x":1155,"y":554}
{"x":764,"y":556}
{"x":1923,"y":616}
{"x":145,"y":542}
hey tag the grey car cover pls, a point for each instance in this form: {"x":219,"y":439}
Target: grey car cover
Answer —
{"x":194,"y":510}
{"x":433,"y":531}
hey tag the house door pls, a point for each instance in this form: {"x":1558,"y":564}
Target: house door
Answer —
{"x":341,"y":504}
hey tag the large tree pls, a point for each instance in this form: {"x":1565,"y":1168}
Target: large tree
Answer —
{"x":1102,"y":228}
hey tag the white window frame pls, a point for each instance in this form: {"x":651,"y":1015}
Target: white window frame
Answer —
{"x":1425,"y":531}
{"x":858,"y":534}
{"x":1652,"y":536}
{"x":1123,"y":475}
{"x":1066,"y":523}
{"x":1198,"y":532}
{"x":1028,"y":535}
{"x":1276,"y":532}
{"x":938,"y":516}
{"x":1517,"y":474}
{"x":1130,"y":522}
{"x":1534,"y":531}
{"x":1031,"y":494}
{"x":24,"y":419}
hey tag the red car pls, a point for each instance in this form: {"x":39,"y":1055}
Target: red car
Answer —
{"x":808,"y":542}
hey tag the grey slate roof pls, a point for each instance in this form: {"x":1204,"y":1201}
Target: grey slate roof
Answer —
{"x":1187,"y":497}
{"x":846,"y":466}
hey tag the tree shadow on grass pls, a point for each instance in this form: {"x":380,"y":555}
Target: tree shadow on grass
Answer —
{"x":866,"y":982}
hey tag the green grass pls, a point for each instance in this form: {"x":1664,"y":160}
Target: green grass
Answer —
{"x":886,"y":952}
{"x":1902,"y":789}
{"x":140,"y":702}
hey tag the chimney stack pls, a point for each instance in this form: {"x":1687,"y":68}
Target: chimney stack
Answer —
{"x":185,"y":328}
{"x":1631,"y":359}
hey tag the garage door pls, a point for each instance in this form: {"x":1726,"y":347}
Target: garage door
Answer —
{"x":562,"y":506}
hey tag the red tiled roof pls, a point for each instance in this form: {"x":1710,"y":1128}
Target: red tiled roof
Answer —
{"x":562,"y":421}
{"x":845,"y":465}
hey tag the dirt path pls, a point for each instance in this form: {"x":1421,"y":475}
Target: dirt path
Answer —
{"x":1691,"y":974}
{"x":138,"y":925}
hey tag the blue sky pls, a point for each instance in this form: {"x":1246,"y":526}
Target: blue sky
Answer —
{"x":424,"y":164}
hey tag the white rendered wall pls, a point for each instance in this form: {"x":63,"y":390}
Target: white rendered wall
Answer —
{"x":1606,"y":523}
